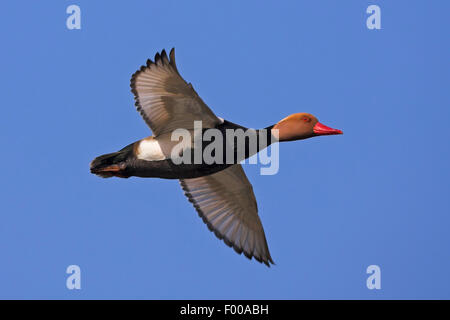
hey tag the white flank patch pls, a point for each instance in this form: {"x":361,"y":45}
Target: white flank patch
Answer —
{"x":150,"y":150}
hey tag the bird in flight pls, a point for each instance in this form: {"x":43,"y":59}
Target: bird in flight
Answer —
{"x":219,"y":190}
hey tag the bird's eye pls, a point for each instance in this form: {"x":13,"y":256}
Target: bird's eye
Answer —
{"x":306,"y":119}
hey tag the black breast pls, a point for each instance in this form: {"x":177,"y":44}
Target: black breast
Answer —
{"x":236,"y":144}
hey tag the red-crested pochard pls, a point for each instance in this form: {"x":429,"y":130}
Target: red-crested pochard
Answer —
{"x":220,"y":192}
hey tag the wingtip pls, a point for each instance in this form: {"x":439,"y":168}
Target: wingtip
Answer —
{"x":269,"y":262}
{"x":157,"y":58}
{"x":172,"y":59}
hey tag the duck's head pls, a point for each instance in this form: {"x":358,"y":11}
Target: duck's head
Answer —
{"x":299,"y":126}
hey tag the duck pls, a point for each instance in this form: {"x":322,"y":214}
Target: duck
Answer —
{"x":220,"y":192}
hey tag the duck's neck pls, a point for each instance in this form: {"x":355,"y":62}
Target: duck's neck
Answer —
{"x":255,"y":139}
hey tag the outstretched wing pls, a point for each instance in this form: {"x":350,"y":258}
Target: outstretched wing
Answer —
{"x":226,"y":203}
{"x":165,"y":100}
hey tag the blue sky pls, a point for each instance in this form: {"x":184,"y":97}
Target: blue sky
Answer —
{"x":379,"y":194}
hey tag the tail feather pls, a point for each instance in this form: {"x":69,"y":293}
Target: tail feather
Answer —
{"x":111,"y":164}
{"x":105,"y":166}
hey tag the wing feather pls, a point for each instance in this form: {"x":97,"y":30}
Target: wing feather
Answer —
{"x":165,"y":101}
{"x":226,"y":203}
